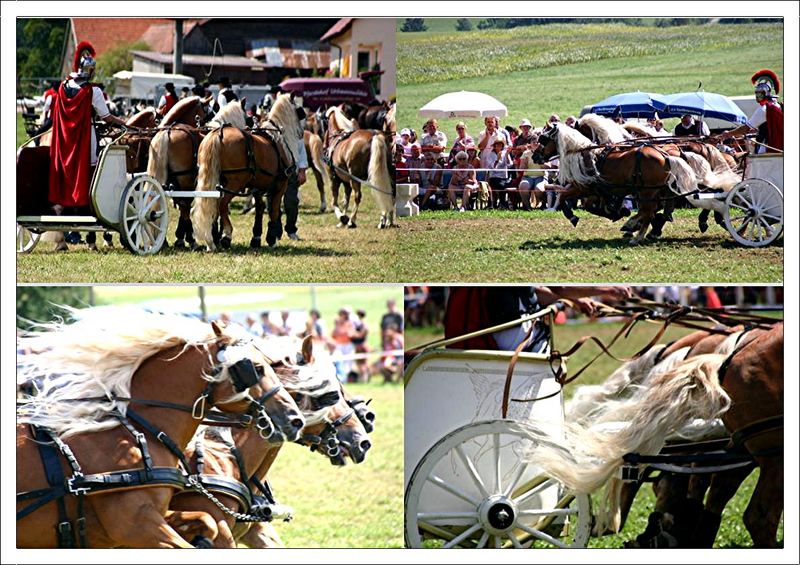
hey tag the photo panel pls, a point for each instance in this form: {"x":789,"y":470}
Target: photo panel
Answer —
{"x":600,"y":417}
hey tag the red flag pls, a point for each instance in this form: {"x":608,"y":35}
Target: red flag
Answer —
{"x":70,"y":147}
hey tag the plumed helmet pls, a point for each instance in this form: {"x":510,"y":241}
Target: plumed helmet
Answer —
{"x":766,"y":80}
{"x":83,"y":64}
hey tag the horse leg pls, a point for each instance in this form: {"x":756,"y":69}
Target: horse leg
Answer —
{"x":356,"y":202}
{"x":196,"y":527}
{"x":702,"y":220}
{"x":722,"y":488}
{"x":133,"y":519}
{"x":566,"y":209}
{"x":647,"y":210}
{"x":341,"y":218}
{"x":226,"y":227}
{"x":323,"y":205}
{"x":348,"y":192}
{"x":258,"y":222}
{"x":763,"y":513}
{"x":262,"y":535}
{"x":274,"y":227}
{"x":225,"y":538}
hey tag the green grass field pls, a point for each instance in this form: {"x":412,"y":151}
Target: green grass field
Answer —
{"x":732,"y":531}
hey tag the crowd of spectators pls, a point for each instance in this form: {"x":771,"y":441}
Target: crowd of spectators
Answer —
{"x":494,"y":169}
{"x":347,"y":340}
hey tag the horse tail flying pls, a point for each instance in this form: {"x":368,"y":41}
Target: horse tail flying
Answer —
{"x":380,"y":179}
{"x":682,"y":179}
{"x":205,"y":210}
{"x":589,"y":453}
{"x":157,"y":162}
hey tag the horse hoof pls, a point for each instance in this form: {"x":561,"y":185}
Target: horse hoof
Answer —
{"x":323,"y":209}
{"x":351,"y":226}
{"x":574,"y":221}
{"x":635,"y":241}
{"x":344,"y":220}
{"x":202,"y":542}
{"x":179,"y":244}
{"x":225,"y":242}
{"x":255,"y":243}
{"x":703,"y":227}
{"x":653,"y":236}
{"x":272,"y":241}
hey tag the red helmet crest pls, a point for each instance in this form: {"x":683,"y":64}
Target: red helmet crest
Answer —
{"x":769,"y":77}
{"x":83,"y":46}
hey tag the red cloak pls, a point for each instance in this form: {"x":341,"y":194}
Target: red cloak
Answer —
{"x":69,"y":148}
{"x":774,"y":127}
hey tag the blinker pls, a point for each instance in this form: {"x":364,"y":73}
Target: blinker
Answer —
{"x":243,"y":375}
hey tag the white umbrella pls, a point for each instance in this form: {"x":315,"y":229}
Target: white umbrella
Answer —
{"x":463,"y":104}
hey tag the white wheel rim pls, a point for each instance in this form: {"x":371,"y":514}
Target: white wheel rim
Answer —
{"x":496,"y":502}
{"x":145,"y":216}
{"x":754,"y":214}
{"x":26,"y":239}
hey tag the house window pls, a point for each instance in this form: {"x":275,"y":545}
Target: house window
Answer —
{"x":363,"y":61}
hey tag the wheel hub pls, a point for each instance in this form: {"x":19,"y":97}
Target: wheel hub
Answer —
{"x":497,"y":514}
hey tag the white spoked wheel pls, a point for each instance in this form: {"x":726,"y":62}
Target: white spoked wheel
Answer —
{"x":754,"y":212}
{"x":26,"y":239}
{"x":473,"y":490}
{"x":144,"y":216}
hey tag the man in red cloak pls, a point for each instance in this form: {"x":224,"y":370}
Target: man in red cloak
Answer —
{"x":767,"y":120}
{"x":73,"y":148}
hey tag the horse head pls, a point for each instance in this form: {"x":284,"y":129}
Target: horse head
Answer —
{"x":548,"y":144}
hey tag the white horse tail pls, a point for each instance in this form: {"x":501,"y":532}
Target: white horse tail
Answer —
{"x":315,"y":147}
{"x":682,"y":174}
{"x":702,"y":170}
{"x":380,"y":179}
{"x":586,"y":457}
{"x":205,"y":210}
{"x":159,"y":154}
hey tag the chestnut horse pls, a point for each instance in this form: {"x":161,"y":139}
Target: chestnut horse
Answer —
{"x":118,"y":391}
{"x":741,"y":382}
{"x":358,"y":155}
{"x":236,"y":160}
{"x":611,"y":173}
{"x":329,"y":418}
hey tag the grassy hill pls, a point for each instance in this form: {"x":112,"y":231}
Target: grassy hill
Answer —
{"x":559,"y":68}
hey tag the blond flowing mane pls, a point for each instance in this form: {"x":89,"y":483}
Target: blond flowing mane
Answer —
{"x":283,"y":114}
{"x":604,"y":129}
{"x":337,"y":121}
{"x":571,"y":143}
{"x":179,"y":109}
{"x":232,"y":113}
{"x":390,"y":120}
{"x":95,"y":356}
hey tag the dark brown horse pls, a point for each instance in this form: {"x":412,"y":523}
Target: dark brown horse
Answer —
{"x":608,"y":174}
{"x":235,"y":160}
{"x":121,"y":389}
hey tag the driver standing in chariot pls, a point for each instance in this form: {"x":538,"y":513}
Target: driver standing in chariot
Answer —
{"x":767,"y":120}
{"x":73,"y":148}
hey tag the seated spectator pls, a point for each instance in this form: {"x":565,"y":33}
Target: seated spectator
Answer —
{"x":691,"y":127}
{"x":341,"y":339}
{"x":414,"y":162}
{"x":267,"y":327}
{"x":400,"y":166}
{"x":461,"y":142}
{"x":252,"y":325}
{"x":391,"y":364}
{"x":392,"y":315}
{"x":430,"y":179}
{"x":524,"y":140}
{"x":486,"y":140}
{"x":530,"y":184}
{"x":659,"y":129}
{"x":512,"y":133}
{"x":463,"y":182}
{"x":434,"y":141}
{"x":315,"y":327}
{"x":405,"y":141}
{"x":499,"y":161}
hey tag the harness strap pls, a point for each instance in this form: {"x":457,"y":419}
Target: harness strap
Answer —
{"x":774,"y":423}
{"x":55,"y":478}
{"x":161,"y":436}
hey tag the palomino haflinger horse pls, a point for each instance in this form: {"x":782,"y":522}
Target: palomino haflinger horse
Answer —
{"x":356,"y":157}
{"x":104,"y":404}
{"x":736,"y":375}
{"x":173,"y":154}
{"x":313,"y":134}
{"x":237,"y":463}
{"x":234,"y":159}
{"x":713,"y":169}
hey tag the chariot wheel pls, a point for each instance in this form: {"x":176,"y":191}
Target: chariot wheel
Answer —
{"x":472,"y":489}
{"x":754,"y":212}
{"x":26,"y":239}
{"x":143,"y":216}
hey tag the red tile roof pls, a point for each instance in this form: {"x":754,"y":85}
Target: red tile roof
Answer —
{"x":161,"y":36}
{"x":106,"y":33}
{"x":338,"y":29}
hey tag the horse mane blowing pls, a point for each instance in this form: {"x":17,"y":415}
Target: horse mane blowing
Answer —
{"x":96,"y":355}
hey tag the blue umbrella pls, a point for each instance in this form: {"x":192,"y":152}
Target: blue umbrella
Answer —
{"x":630,"y":104}
{"x":706,"y":104}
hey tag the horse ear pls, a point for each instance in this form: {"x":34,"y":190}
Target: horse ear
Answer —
{"x":216,"y":328}
{"x":308,"y":349}
{"x":243,"y":103}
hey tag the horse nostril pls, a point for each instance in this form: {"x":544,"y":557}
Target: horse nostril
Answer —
{"x":365,"y":445}
{"x":297,"y":423}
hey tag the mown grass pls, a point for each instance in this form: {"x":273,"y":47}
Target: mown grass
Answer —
{"x":352,"y":506}
{"x":732,"y":532}
{"x":503,"y":246}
